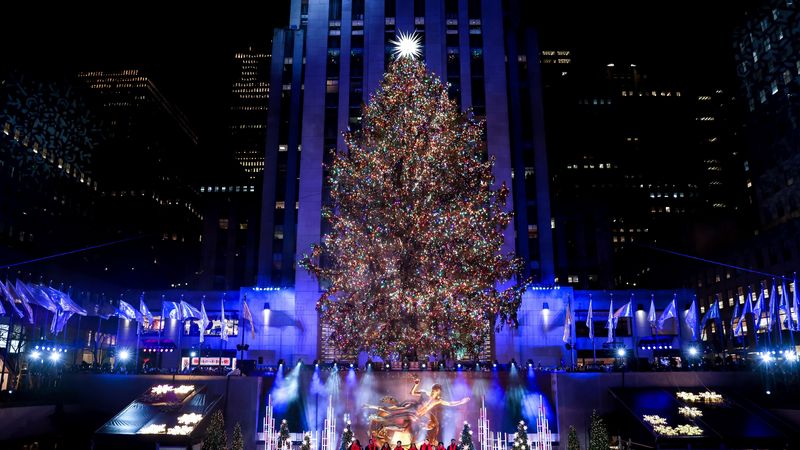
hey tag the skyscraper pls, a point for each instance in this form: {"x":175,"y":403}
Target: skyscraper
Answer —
{"x":248,"y":110}
{"x":326,"y":64}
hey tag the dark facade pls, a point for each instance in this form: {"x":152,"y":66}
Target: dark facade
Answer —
{"x":637,"y":162}
{"x":478,"y":47}
{"x":766,"y":46}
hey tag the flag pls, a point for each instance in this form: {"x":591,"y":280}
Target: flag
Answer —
{"x":144,"y":311}
{"x":589,"y":321}
{"x":38,"y":295}
{"x":624,"y":311}
{"x":170,"y":310}
{"x":11,"y":298}
{"x":610,"y":323}
{"x":669,"y":312}
{"x":126,"y":311}
{"x":203,"y":320}
{"x":248,"y":316}
{"x":772,"y":316}
{"x":796,"y":305}
{"x":188,"y":311}
{"x":786,"y":307}
{"x":21,"y":297}
{"x":567,"y":323}
{"x":64,"y":302}
{"x":651,"y":316}
{"x":223,"y":334}
{"x":758,"y":308}
{"x":712,"y":313}
{"x":691,"y":319}
{"x":736,"y":329}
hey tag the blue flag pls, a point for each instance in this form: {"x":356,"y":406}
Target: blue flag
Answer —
{"x":589,"y":320}
{"x":669,"y":312}
{"x":691,"y":319}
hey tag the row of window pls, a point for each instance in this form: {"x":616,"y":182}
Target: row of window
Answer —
{"x":227,"y":189}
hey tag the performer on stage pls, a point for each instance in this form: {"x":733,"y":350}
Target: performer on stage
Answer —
{"x":412,"y":447}
{"x":440,"y":446}
{"x":385,"y":446}
{"x":399,"y":446}
{"x":355,"y":445}
{"x":425,"y":445}
{"x":372,"y":445}
{"x":452,"y":445}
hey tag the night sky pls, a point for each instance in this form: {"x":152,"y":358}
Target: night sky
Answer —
{"x":187,"y":50}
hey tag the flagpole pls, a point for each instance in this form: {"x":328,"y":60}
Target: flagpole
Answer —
{"x":794,"y":325}
{"x":777,"y":313}
{"x":241,"y":348}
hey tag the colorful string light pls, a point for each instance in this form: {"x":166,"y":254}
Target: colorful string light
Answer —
{"x":414,"y":256}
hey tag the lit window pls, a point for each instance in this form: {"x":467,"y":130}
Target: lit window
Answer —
{"x":774,"y":87}
{"x":223,"y":224}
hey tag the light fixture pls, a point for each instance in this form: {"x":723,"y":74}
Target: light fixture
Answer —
{"x":36,"y":354}
{"x":55,"y":356}
{"x":620,"y":352}
{"x":692,"y":351}
{"x":766,"y":357}
{"x":193,"y":354}
{"x":124,"y":355}
{"x":545,"y":306}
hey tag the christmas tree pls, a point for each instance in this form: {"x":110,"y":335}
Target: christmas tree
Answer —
{"x":215,"y":434}
{"x":598,"y":434}
{"x":415,"y":258}
{"x":347,"y":437}
{"x":238,"y":440}
{"x":521,"y":438}
{"x":466,"y":438}
{"x":284,"y":440}
{"x":306,"y":445}
{"x":572,"y":439}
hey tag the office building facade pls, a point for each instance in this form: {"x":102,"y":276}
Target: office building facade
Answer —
{"x":324,"y":67}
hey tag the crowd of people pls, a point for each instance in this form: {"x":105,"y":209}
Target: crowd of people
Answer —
{"x":427,"y":444}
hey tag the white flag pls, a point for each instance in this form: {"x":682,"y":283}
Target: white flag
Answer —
{"x":223,"y":323}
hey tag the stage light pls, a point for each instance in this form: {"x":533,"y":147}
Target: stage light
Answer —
{"x":36,"y":354}
{"x":692,"y":351}
{"x":37,"y":347}
{"x":351,"y":365}
{"x":513,"y":362}
{"x":791,"y":356}
{"x":124,"y":355}
{"x":280,"y":362}
{"x":387,"y":366}
{"x":458,"y":365}
{"x":424,"y":365}
{"x":54,"y":356}
{"x":193,"y":354}
{"x":530,"y":363}
{"x":299,"y":362}
{"x":769,"y":392}
{"x":621,"y":352}
{"x":766,"y":357}
{"x":670,"y":347}
{"x":494,"y":364}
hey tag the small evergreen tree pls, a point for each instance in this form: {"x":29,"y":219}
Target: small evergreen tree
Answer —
{"x":572,"y":439}
{"x":215,"y":434}
{"x":521,"y":438}
{"x":598,"y":434}
{"x":284,"y":440}
{"x":466,"y":438}
{"x":347,"y":437}
{"x":306,"y":442}
{"x":238,"y":439}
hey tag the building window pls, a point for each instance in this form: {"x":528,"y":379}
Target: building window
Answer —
{"x":223,"y":224}
{"x":774,"y":87}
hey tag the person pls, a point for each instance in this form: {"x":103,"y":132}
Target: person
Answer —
{"x":355,"y":445}
{"x":400,"y":445}
{"x":385,"y":446}
{"x":426,"y":445}
{"x":372,"y":445}
{"x":440,"y":446}
{"x":412,"y":447}
{"x":452,"y":445}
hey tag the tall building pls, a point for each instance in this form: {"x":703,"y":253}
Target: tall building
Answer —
{"x":766,"y":47}
{"x":248,"y":110}
{"x":145,"y":173}
{"x":326,"y":64}
{"x":637,"y":161}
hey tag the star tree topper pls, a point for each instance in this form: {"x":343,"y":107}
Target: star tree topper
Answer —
{"x":407,"y":45}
